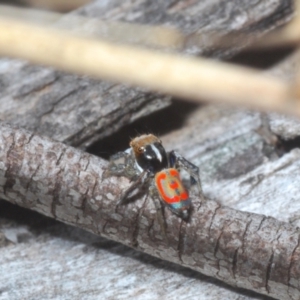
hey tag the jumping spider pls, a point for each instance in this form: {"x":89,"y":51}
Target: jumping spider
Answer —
{"x":146,"y":162}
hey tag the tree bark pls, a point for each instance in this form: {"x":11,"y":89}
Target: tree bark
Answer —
{"x":78,"y":111}
{"x":252,"y":17}
{"x":238,"y":168}
{"x":243,"y":249}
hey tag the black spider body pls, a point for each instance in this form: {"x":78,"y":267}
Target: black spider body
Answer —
{"x":147,"y":162}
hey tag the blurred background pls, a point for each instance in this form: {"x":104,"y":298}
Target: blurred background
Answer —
{"x":53,"y":5}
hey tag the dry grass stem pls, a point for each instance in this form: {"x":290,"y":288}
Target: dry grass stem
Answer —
{"x":191,"y":78}
{"x":161,"y":37}
{"x":58,"y":5}
{"x":152,"y":36}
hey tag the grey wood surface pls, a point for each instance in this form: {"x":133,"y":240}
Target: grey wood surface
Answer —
{"x":242,"y":166}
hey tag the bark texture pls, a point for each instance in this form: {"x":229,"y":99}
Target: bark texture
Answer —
{"x":243,"y":249}
{"x":241,"y":165}
{"x":78,"y":111}
{"x":248,"y":17}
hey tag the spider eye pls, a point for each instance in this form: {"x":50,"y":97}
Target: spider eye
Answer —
{"x":141,"y":149}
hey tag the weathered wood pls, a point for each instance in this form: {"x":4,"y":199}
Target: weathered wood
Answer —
{"x":248,"y":17}
{"x":286,"y":127}
{"x":161,"y":72}
{"x":62,"y":262}
{"x":78,"y":264}
{"x":69,"y":108}
{"x":78,"y":111}
{"x":243,"y":249}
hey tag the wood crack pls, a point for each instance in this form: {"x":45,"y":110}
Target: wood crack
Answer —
{"x":268,"y":272}
{"x":9,"y":181}
{"x":62,"y":153}
{"x":264,"y":218}
{"x":213,"y":217}
{"x":30,"y":138}
{"x":56,"y":197}
{"x":54,"y":104}
{"x":135,"y":234}
{"x":234,"y":263}
{"x":291,"y":265}
{"x":31,"y":177}
{"x":283,"y":12}
{"x":244,"y":235}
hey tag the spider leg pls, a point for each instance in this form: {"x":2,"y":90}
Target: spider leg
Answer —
{"x":137,"y":184}
{"x":159,"y":209}
{"x":176,"y":160}
{"x":121,"y":164}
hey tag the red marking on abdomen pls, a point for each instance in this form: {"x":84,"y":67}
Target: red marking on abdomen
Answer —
{"x":174,"y":173}
{"x":174,"y":185}
{"x":170,"y":187}
{"x":184,"y":195}
{"x":175,"y":199}
{"x":160,"y":176}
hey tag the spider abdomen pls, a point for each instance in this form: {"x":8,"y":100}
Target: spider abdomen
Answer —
{"x":172,"y":192}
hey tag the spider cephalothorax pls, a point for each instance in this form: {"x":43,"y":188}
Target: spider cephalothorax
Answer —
{"x":149,"y":153}
{"x":146,"y":162}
